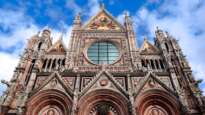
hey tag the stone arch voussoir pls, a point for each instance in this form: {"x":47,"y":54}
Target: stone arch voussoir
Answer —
{"x":158,"y":101}
{"x":45,"y":98}
{"x":90,"y":100}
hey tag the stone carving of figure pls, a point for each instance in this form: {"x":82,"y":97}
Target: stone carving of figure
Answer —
{"x":50,"y":112}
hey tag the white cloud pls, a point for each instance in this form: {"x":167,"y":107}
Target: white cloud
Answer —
{"x":184,"y":20}
{"x":21,"y":28}
{"x":56,"y":34}
{"x":73,"y":6}
{"x":94,"y":7}
{"x":120,"y":18}
{"x":8,"y":62}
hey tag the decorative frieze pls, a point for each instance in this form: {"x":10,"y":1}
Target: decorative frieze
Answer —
{"x":108,"y":68}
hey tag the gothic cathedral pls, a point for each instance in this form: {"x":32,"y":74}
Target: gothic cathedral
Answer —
{"x":102,"y":72}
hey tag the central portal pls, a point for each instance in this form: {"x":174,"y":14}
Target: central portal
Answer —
{"x":103,"y":102}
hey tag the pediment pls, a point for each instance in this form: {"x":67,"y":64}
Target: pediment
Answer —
{"x":103,"y":80}
{"x":151,"y":81}
{"x":54,"y":81}
{"x":148,"y":48}
{"x":103,"y":21}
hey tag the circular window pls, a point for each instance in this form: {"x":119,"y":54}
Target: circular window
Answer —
{"x":103,"y":53}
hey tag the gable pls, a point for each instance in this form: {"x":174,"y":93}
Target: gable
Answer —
{"x":103,"y":80}
{"x":103,"y":21}
{"x":148,"y":48}
{"x":54,"y":81}
{"x":57,"y":48}
{"x":150,"y":81}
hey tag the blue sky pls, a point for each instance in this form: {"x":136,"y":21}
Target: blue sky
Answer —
{"x":20,"y":19}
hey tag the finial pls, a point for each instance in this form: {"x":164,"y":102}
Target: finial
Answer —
{"x":157,"y":27}
{"x":126,"y":13}
{"x":77,"y":17}
{"x":61,"y":36}
{"x":102,"y":6}
{"x":145,"y":38}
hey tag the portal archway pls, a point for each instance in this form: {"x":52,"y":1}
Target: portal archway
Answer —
{"x":103,"y":102}
{"x":49,"y":102}
{"x":157,"y":102}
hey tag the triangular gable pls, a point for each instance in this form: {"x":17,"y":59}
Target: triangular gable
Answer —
{"x":103,"y":21}
{"x":103,"y":80}
{"x":151,"y":81}
{"x":58,"y":47}
{"x":54,"y":81}
{"x":148,"y":48}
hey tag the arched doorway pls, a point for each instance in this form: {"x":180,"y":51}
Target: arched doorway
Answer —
{"x":103,"y":102}
{"x":49,"y":102}
{"x":157,"y":102}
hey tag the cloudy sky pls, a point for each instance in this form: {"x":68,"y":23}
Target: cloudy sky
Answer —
{"x":20,"y":19}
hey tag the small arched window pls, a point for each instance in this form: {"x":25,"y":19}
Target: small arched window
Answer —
{"x":54,"y":64}
{"x":44,"y":63}
{"x":152,"y":64}
{"x":167,"y":47}
{"x":143,"y":63}
{"x":157,"y":64}
{"x":39,"y":46}
{"x":49,"y":63}
{"x":63,"y":62}
{"x":161,"y":64}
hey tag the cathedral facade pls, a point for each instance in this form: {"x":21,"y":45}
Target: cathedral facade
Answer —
{"x":102,"y":72}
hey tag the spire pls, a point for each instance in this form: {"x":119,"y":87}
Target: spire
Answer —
{"x":145,"y":38}
{"x":126,"y":13}
{"x":159,"y":34}
{"x":77,"y":22}
{"x":158,"y":30}
{"x":130,"y":31}
{"x":61,"y":36}
{"x":128,"y":22}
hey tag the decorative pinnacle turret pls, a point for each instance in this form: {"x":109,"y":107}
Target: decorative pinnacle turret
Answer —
{"x":127,"y":17}
{"x":77,"y":22}
{"x":61,"y":36}
{"x":77,"y":19}
{"x":158,"y":29}
{"x":145,"y":38}
{"x":126,"y":13}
